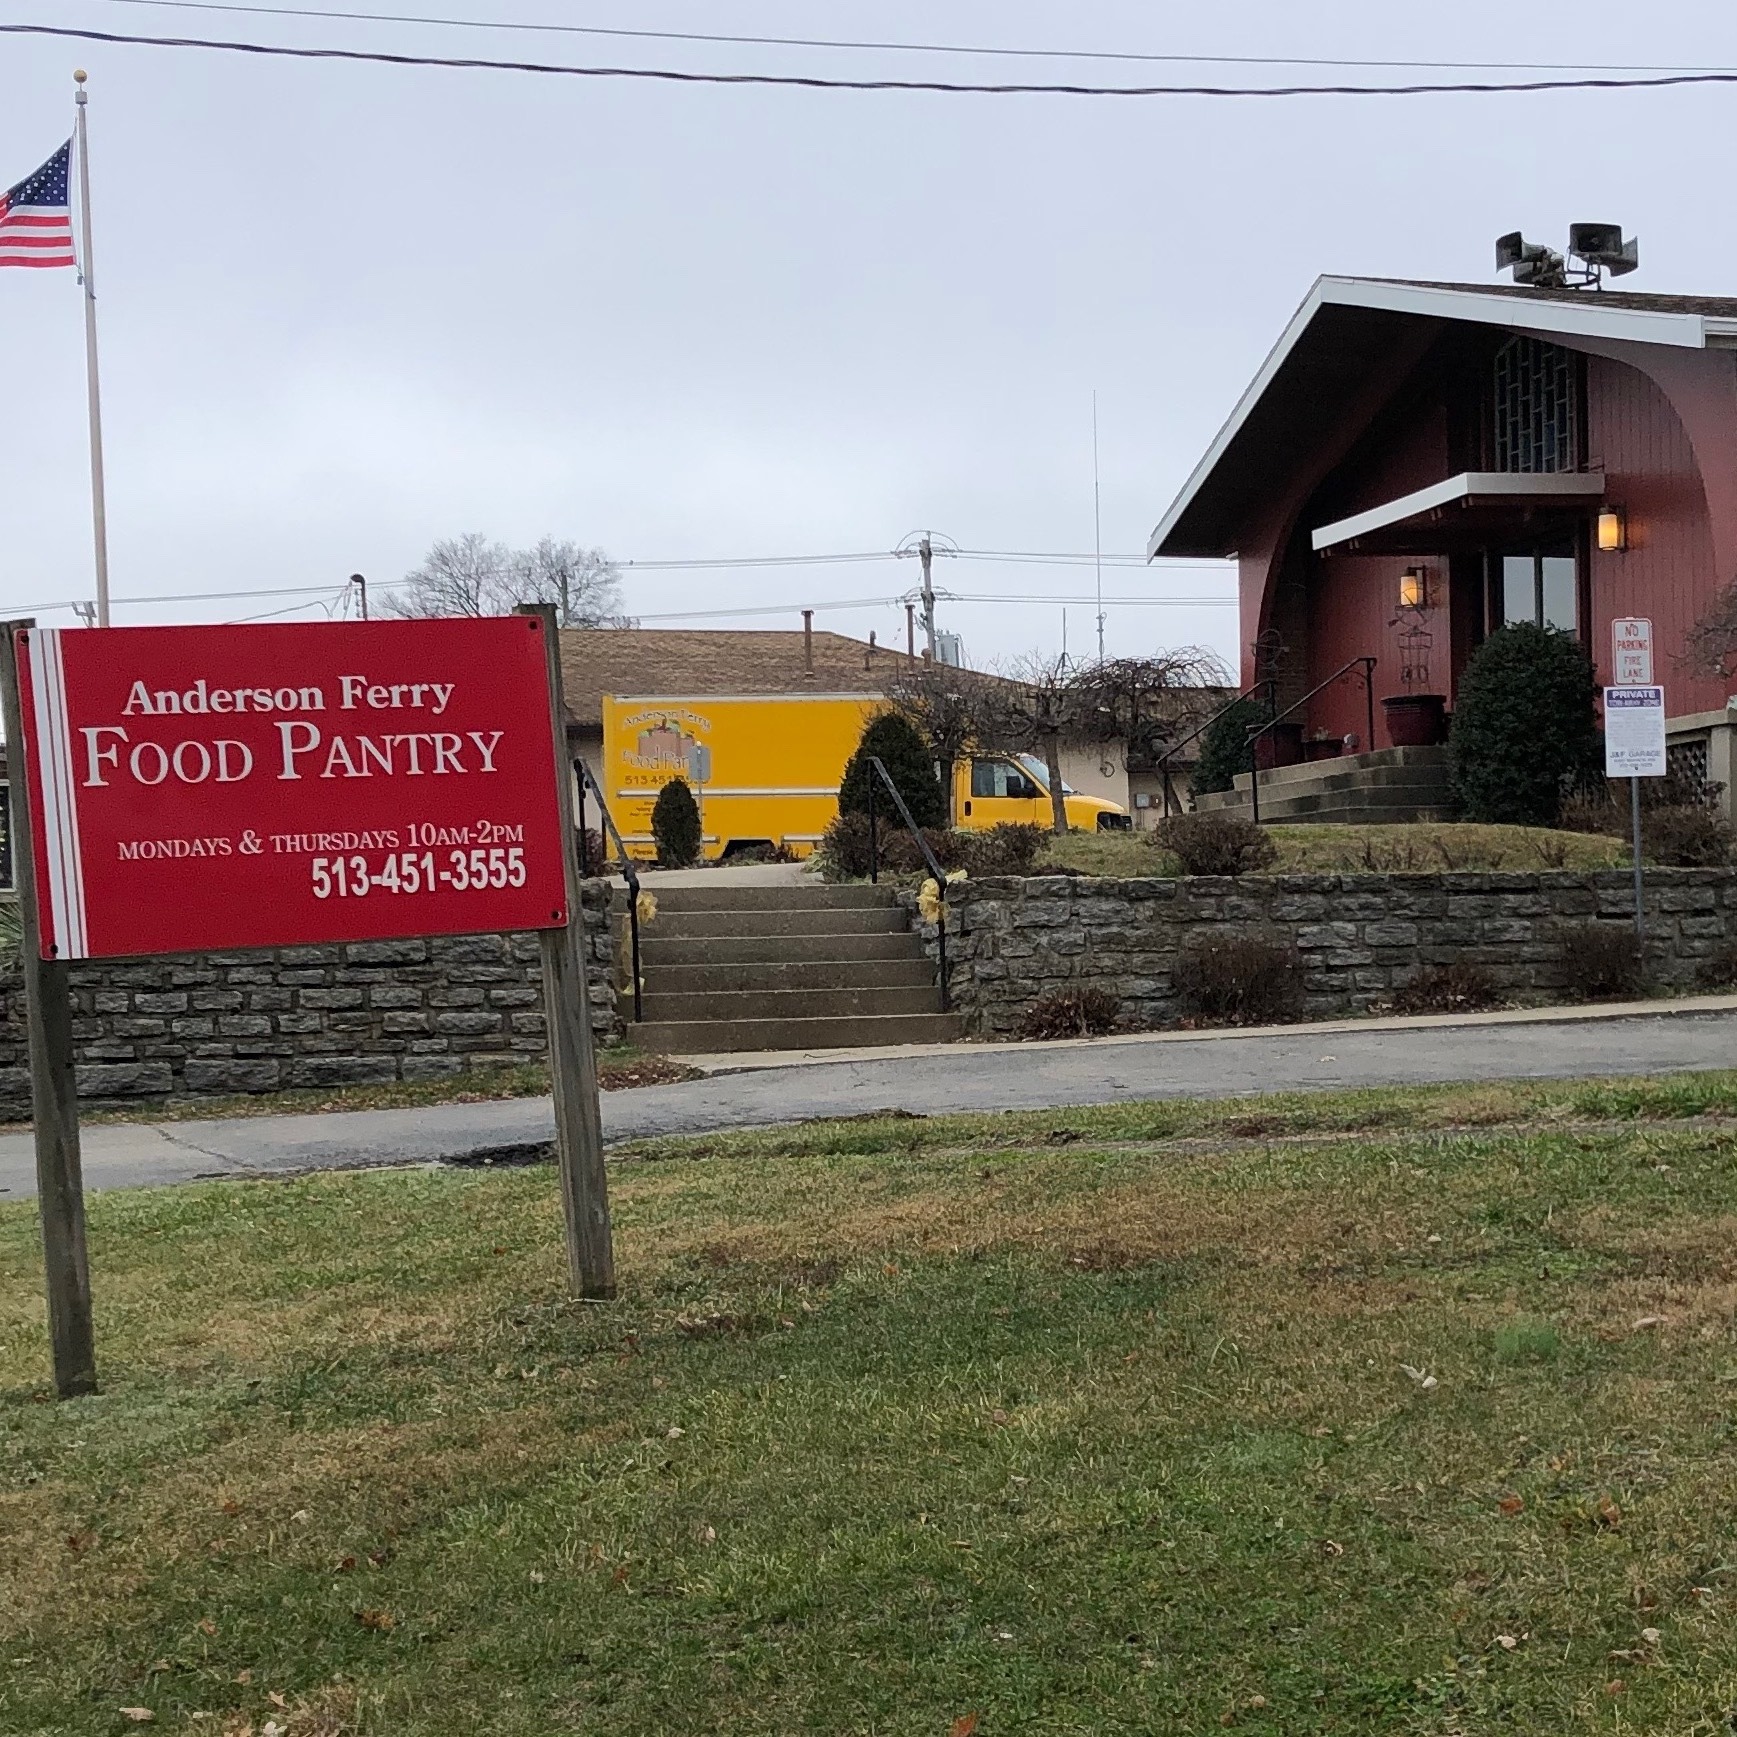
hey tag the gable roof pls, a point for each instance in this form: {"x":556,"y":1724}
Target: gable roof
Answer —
{"x":672,"y":661}
{"x":1322,"y":358}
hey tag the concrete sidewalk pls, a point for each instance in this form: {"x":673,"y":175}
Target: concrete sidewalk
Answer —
{"x":1648,"y":1038}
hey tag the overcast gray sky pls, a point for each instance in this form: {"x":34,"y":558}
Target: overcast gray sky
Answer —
{"x":347,"y":310}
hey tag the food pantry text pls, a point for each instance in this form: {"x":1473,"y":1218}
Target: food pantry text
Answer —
{"x":301,"y":749}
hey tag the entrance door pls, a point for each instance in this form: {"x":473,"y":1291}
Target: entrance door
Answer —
{"x":1540,"y":585}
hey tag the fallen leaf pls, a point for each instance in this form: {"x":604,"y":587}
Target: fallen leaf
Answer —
{"x":1617,"y":1688}
{"x":231,"y":1507}
{"x":301,"y":1516}
{"x":207,"y":1626}
{"x":80,"y":1542}
{"x":1332,"y":1547}
{"x":138,"y":1715}
{"x":271,"y":1728}
{"x":963,"y":1726}
{"x":382,"y":1620}
{"x":1507,"y":1642}
{"x":244,"y":1677}
{"x":708,"y":1535}
{"x":1651,"y":1636}
{"x":998,"y":1417}
{"x":345,"y":1564}
{"x":1609,"y":1514}
{"x":1649,"y":1321}
{"x":1510,"y":1505}
{"x":278,"y":1698}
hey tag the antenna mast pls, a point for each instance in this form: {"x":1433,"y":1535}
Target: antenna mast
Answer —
{"x":1097,"y":526}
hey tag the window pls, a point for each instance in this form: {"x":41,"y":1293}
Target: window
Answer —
{"x":1542,"y":588}
{"x":1537,"y":405}
{"x":1040,"y":773}
{"x":999,"y":778}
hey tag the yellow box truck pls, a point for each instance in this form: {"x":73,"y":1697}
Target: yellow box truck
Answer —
{"x":765,"y":770}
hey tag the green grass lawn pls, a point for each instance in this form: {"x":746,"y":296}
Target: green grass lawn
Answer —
{"x":1377,"y":1412}
{"x":1424,"y":848}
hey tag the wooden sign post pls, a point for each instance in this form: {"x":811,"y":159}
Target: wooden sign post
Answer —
{"x":53,"y":1093}
{"x":572,"y":1047}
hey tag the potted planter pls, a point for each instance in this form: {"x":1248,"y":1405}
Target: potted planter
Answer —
{"x":1323,"y":748}
{"x":1282,"y":745}
{"x":1416,"y":720}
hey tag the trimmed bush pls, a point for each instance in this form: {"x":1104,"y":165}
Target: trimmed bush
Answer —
{"x":1225,"y":749}
{"x":1455,"y":988}
{"x":1524,"y":724}
{"x":675,"y":825}
{"x":1601,"y":961}
{"x":1240,"y":980}
{"x":1083,"y":1010}
{"x":1216,"y":844}
{"x":894,"y":740}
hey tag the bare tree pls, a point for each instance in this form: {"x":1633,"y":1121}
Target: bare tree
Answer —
{"x":1711,"y":644}
{"x":472,"y":575}
{"x":459,"y":576}
{"x":1148,"y":703}
{"x":581,"y":583}
{"x":946,"y":705}
{"x":1029,"y":712}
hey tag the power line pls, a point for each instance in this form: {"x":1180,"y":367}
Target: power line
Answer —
{"x":943,"y":87}
{"x":1127,"y":56}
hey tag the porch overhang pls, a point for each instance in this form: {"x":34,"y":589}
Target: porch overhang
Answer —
{"x":1472,"y":507}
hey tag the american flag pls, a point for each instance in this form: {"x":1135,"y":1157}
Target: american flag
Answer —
{"x":36,"y":216}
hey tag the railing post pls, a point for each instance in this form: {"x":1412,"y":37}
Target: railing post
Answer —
{"x":1369,"y":703}
{"x":584,"y":844}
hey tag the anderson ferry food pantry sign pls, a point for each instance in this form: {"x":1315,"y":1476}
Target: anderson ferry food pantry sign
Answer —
{"x":202,"y":788}
{"x":190,"y":789}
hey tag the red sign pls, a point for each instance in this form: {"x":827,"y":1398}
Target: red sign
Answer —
{"x":199,"y":788}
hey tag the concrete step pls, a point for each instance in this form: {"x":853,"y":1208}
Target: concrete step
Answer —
{"x":724,"y":897}
{"x":709,"y":925}
{"x":915,"y":972}
{"x":703,"y":1036}
{"x":656,"y":950}
{"x":756,"y":1006}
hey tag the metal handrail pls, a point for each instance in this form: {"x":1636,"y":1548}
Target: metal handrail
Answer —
{"x":1367,"y":665}
{"x":935,"y":869}
{"x":1176,"y":748}
{"x":628,"y":873}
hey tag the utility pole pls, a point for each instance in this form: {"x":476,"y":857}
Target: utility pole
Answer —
{"x":1097,"y":526}
{"x":361,"y":585}
{"x":926,"y":554}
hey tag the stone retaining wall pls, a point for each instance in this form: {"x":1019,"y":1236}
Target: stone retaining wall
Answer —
{"x":1357,"y":937}
{"x":361,"y":1013}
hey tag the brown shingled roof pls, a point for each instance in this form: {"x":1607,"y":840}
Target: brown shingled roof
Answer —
{"x":671,"y":661}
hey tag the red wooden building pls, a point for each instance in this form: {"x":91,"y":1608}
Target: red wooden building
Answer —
{"x":1417,"y":464}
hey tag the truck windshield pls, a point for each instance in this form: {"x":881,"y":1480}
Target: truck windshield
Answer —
{"x":1039,"y":773}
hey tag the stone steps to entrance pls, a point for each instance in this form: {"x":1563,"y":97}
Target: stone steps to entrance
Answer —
{"x":1389,"y":787}
{"x":733,"y":1036}
{"x":732,"y":967}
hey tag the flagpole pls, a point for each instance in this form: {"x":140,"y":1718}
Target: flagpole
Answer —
{"x":98,"y":497}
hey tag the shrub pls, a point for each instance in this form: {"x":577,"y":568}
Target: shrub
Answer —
{"x":1240,"y":980}
{"x":1719,"y":970}
{"x":1523,"y":724}
{"x":843,"y":851}
{"x":1455,"y":988}
{"x":1082,"y":1010}
{"x":1601,"y":961}
{"x":1225,"y":749}
{"x":1685,"y":836}
{"x":675,"y":824}
{"x":1216,"y":844}
{"x":1009,"y":848}
{"x":894,"y":740}
{"x":593,"y":852}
